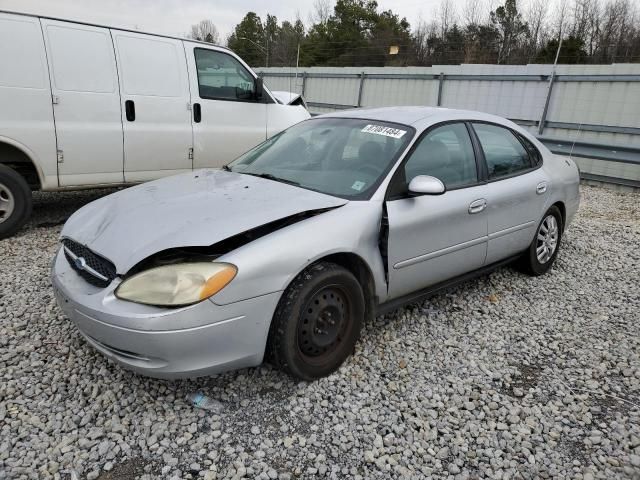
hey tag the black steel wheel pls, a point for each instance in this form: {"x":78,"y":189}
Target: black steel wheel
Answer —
{"x":325,"y":322}
{"x":317,"y":322}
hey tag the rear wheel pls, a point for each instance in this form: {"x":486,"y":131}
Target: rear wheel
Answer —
{"x":317,"y":322}
{"x":15,"y":201}
{"x":544,"y":248}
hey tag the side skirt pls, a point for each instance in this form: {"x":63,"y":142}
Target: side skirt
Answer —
{"x":425,"y":293}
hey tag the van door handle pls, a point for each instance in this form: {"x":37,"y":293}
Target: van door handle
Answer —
{"x":130,"y":110}
{"x":541,"y":188}
{"x":197,"y":113}
{"x":477,"y":206}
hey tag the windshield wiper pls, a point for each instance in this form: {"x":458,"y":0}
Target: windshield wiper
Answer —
{"x":269,"y":176}
{"x":226,"y":168}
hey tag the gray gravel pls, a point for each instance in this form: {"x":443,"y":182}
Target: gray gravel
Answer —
{"x":504,"y":377}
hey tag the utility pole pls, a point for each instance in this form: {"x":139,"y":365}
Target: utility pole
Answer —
{"x":552,"y":77}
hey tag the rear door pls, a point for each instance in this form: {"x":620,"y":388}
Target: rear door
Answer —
{"x":228,"y":120}
{"x":518,"y":190}
{"x":84,"y":86}
{"x":155,"y":106}
{"x":433,"y":238}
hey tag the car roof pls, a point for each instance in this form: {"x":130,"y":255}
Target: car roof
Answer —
{"x":416,"y":116}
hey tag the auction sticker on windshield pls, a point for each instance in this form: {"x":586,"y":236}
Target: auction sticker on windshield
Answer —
{"x":386,"y":131}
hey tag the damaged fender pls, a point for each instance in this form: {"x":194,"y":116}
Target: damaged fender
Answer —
{"x":270,"y":263}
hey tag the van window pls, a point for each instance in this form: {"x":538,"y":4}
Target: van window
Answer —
{"x":222,"y":77}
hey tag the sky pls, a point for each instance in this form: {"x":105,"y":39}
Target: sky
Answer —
{"x":175,"y":17}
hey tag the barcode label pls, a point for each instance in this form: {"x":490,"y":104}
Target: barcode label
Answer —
{"x":386,"y":131}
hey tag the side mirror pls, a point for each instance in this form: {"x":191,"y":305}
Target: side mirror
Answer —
{"x":426,"y":185}
{"x":259,"y":88}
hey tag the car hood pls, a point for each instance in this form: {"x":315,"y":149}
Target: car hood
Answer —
{"x":195,"y":209}
{"x":286,"y":98}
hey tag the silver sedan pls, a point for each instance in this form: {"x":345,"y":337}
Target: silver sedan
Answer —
{"x":285,"y":252}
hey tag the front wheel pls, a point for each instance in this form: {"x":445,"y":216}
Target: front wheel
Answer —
{"x":543,"y":250}
{"x":15,"y":201}
{"x":317,"y":322}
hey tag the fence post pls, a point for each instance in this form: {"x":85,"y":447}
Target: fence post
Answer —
{"x":440,"y":82}
{"x":543,"y":118}
{"x":362,"y":75}
{"x":304,"y":83}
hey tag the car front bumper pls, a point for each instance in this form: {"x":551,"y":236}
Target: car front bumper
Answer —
{"x":198,"y":340}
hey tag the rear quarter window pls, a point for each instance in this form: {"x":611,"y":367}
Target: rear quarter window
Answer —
{"x":534,"y":153}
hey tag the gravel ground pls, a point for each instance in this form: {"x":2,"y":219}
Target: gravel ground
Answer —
{"x":504,"y":377}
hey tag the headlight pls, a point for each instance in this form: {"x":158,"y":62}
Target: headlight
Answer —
{"x":177,"y":285}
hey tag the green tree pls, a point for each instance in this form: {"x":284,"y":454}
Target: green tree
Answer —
{"x":271,"y":33}
{"x":390,"y":30}
{"x":285,"y":44}
{"x":512,"y":28}
{"x":357,"y":34}
{"x":248,"y":40}
{"x":481,"y":44}
{"x":572,"y":51}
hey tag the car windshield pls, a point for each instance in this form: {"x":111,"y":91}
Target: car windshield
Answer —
{"x":343,"y":157}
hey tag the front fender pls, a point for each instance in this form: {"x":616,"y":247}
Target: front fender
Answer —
{"x":270,"y":263}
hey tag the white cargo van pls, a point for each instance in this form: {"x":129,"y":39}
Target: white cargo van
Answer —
{"x":83,"y":106}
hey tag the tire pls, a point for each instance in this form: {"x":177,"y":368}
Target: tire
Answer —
{"x":15,"y":201}
{"x":530,"y":262}
{"x":317,"y":322}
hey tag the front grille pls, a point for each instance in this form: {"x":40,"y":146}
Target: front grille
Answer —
{"x":93,"y":268}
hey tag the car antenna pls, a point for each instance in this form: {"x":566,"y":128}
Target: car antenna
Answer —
{"x":573,"y":144}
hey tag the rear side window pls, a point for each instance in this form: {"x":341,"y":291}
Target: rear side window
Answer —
{"x":222,"y":77}
{"x":503,"y":152}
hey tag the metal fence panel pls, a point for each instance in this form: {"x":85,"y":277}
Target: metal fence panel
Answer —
{"x":388,"y":92}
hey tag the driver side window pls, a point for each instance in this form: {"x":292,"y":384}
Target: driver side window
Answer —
{"x":446,"y":153}
{"x":222,"y":77}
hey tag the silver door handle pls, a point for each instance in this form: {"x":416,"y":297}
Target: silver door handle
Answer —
{"x":477,"y":205}
{"x":541,"y":188}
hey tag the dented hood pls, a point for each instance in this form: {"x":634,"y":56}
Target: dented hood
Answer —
{"x":194,"y":209}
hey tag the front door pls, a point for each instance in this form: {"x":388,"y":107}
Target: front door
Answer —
{"x":155,"y":106}
{"x":433,"y":238}
{"x":228,"y":120}
{"x":86,"y":103}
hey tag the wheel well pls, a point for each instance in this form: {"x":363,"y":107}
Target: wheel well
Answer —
{"x":563,"y":212}
{"x":361,"y":271}
{"x":18,"y":160}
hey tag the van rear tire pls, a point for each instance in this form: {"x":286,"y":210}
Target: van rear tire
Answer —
{"x":15,"y":201}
